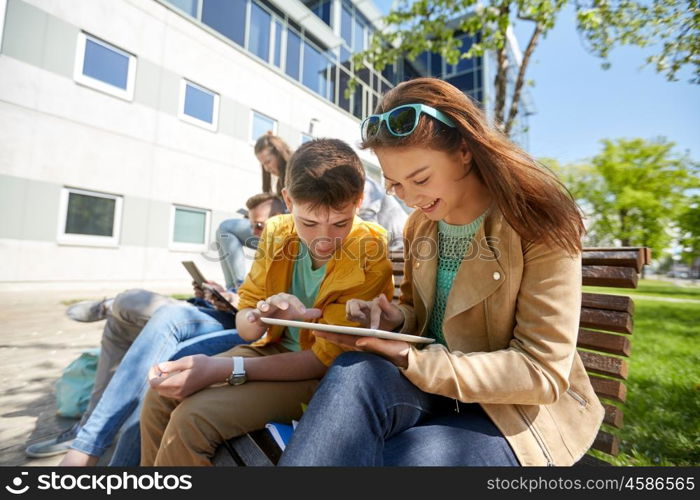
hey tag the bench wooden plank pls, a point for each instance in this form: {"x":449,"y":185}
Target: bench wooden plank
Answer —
{"x":613,"y":415}
{"x":601,"y":319}
{"x":609,"y":302}
{"x":607,"y":443}
{"x":622,"y":258}
{"x":605,"y":342}
{"x":609,"y":276}
{"x":604,"y":365}
{"x":611,"y":389}
{"x":250,"y":452}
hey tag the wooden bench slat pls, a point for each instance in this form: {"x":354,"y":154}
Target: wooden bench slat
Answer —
{"x":611,"y":389}
{"x":623,"y":258}
{"x":604,"y":365}
{"x":608,"y":302}
{"x":607,"y":443}
{"x":249,"y":451}
{"x":605,"y":342}
{"x":609,"y":276}
{"x":600,"y":319}
{"x":613,"y":415}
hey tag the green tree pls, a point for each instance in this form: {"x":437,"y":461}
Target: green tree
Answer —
{"x":417,"y":26}
{"x":689,"y":226}
{"x":671,"y":26}
{"x":633,"y":191}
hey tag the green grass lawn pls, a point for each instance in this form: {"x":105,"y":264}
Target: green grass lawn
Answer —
{"x":662,"y":412}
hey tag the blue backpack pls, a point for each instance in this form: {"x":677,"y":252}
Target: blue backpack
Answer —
{"x":74,"y":387}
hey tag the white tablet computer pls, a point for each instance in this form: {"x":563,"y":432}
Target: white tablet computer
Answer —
{"x":349,"y":330}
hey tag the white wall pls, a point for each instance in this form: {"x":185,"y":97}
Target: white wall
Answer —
{"x":55,"y":130}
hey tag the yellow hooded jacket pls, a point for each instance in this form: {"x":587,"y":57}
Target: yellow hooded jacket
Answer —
{"x":359,"y":269}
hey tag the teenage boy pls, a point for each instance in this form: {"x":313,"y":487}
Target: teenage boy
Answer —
{"x":309,"y":263}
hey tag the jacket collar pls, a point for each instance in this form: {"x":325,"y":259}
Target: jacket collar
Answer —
{"x":479,"y":274}
{"x":353,"y":253}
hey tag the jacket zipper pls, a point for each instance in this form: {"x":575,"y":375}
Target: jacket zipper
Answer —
{"x":538,"y":437}
{"x":577,"y":397}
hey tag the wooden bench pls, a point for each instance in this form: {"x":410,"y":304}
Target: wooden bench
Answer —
{"x":603,"y":343}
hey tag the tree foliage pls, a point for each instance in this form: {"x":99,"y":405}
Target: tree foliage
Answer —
{"x":689,"y":226}
{"x":671,"y":25}
{"x":633,"y":191}
{"x":416,"y":26}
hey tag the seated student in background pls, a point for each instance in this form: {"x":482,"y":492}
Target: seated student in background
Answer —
{"x":384,"y":209}
{"x":233,"y":234}
{"x":143,"y":328}
{"x":493,"y":274}
{"x":308,"y":265}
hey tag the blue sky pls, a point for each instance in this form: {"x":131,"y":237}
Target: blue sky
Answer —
{"x":578,"y":103}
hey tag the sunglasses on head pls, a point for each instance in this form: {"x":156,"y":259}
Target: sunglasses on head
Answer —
{"x":402,"y":120}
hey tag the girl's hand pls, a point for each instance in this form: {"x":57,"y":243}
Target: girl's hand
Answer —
{"x":377,"y":313}
{"x":395,"y":351}
{"x":180,"y":378}
{"x":281,"y":306}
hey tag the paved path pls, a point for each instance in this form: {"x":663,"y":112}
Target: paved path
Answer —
{"x":37,"y":340}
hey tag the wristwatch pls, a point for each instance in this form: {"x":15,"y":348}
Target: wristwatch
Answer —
{"x":237,"y":376}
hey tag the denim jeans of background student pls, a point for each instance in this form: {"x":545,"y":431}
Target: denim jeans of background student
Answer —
{"x":231,"y":236}
{"x":174,"y":331}
{"x":366,"y":413}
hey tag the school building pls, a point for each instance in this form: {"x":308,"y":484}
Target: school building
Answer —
{"x":127,"y":126}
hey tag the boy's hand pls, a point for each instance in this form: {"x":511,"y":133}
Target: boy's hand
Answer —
{"x":281,"y":306}
{"x":180,"y":378}
{"x":377,"y":313}
{"x":233,"y":299}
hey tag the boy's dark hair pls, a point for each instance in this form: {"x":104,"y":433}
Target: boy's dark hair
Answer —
{"x":325,"y":173}
{"x":278,"y":206}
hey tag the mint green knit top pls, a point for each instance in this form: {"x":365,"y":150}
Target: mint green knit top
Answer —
{"x":453,"y":243}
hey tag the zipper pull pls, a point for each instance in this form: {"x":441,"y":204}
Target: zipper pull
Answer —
{"x":456,"y":406}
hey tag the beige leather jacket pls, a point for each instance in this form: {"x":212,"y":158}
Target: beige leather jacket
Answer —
{"x":511,"y":323}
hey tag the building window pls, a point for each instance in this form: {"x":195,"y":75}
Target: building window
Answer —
{"x":279,"y":29}
{"x":322,"y":9}
{"x":187,"y":6}
{"x":189,"y":229}
{"x":228,"y":17}
{"x":198,"y":105}
{"x":89,"y":218}
{"x":315,"y":70}
{"x":261,"y":125}
{"x":293,"y":54}
{"x":259,"y":32}
{"x":104,"y":67}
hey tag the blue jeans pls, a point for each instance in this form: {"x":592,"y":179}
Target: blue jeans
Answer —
{"x":172,"y":332}
{"x":366,"y":413}
{"x":231,"y":236}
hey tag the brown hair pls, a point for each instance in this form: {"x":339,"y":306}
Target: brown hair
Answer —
{"x":282,"y":152}
{"x":325,"y":173}
{"x":278,"y":206}
{"x":533,"y":201}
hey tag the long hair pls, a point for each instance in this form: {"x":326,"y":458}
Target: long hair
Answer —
{"x":533,"y":201}
{"x":282,"y":152}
